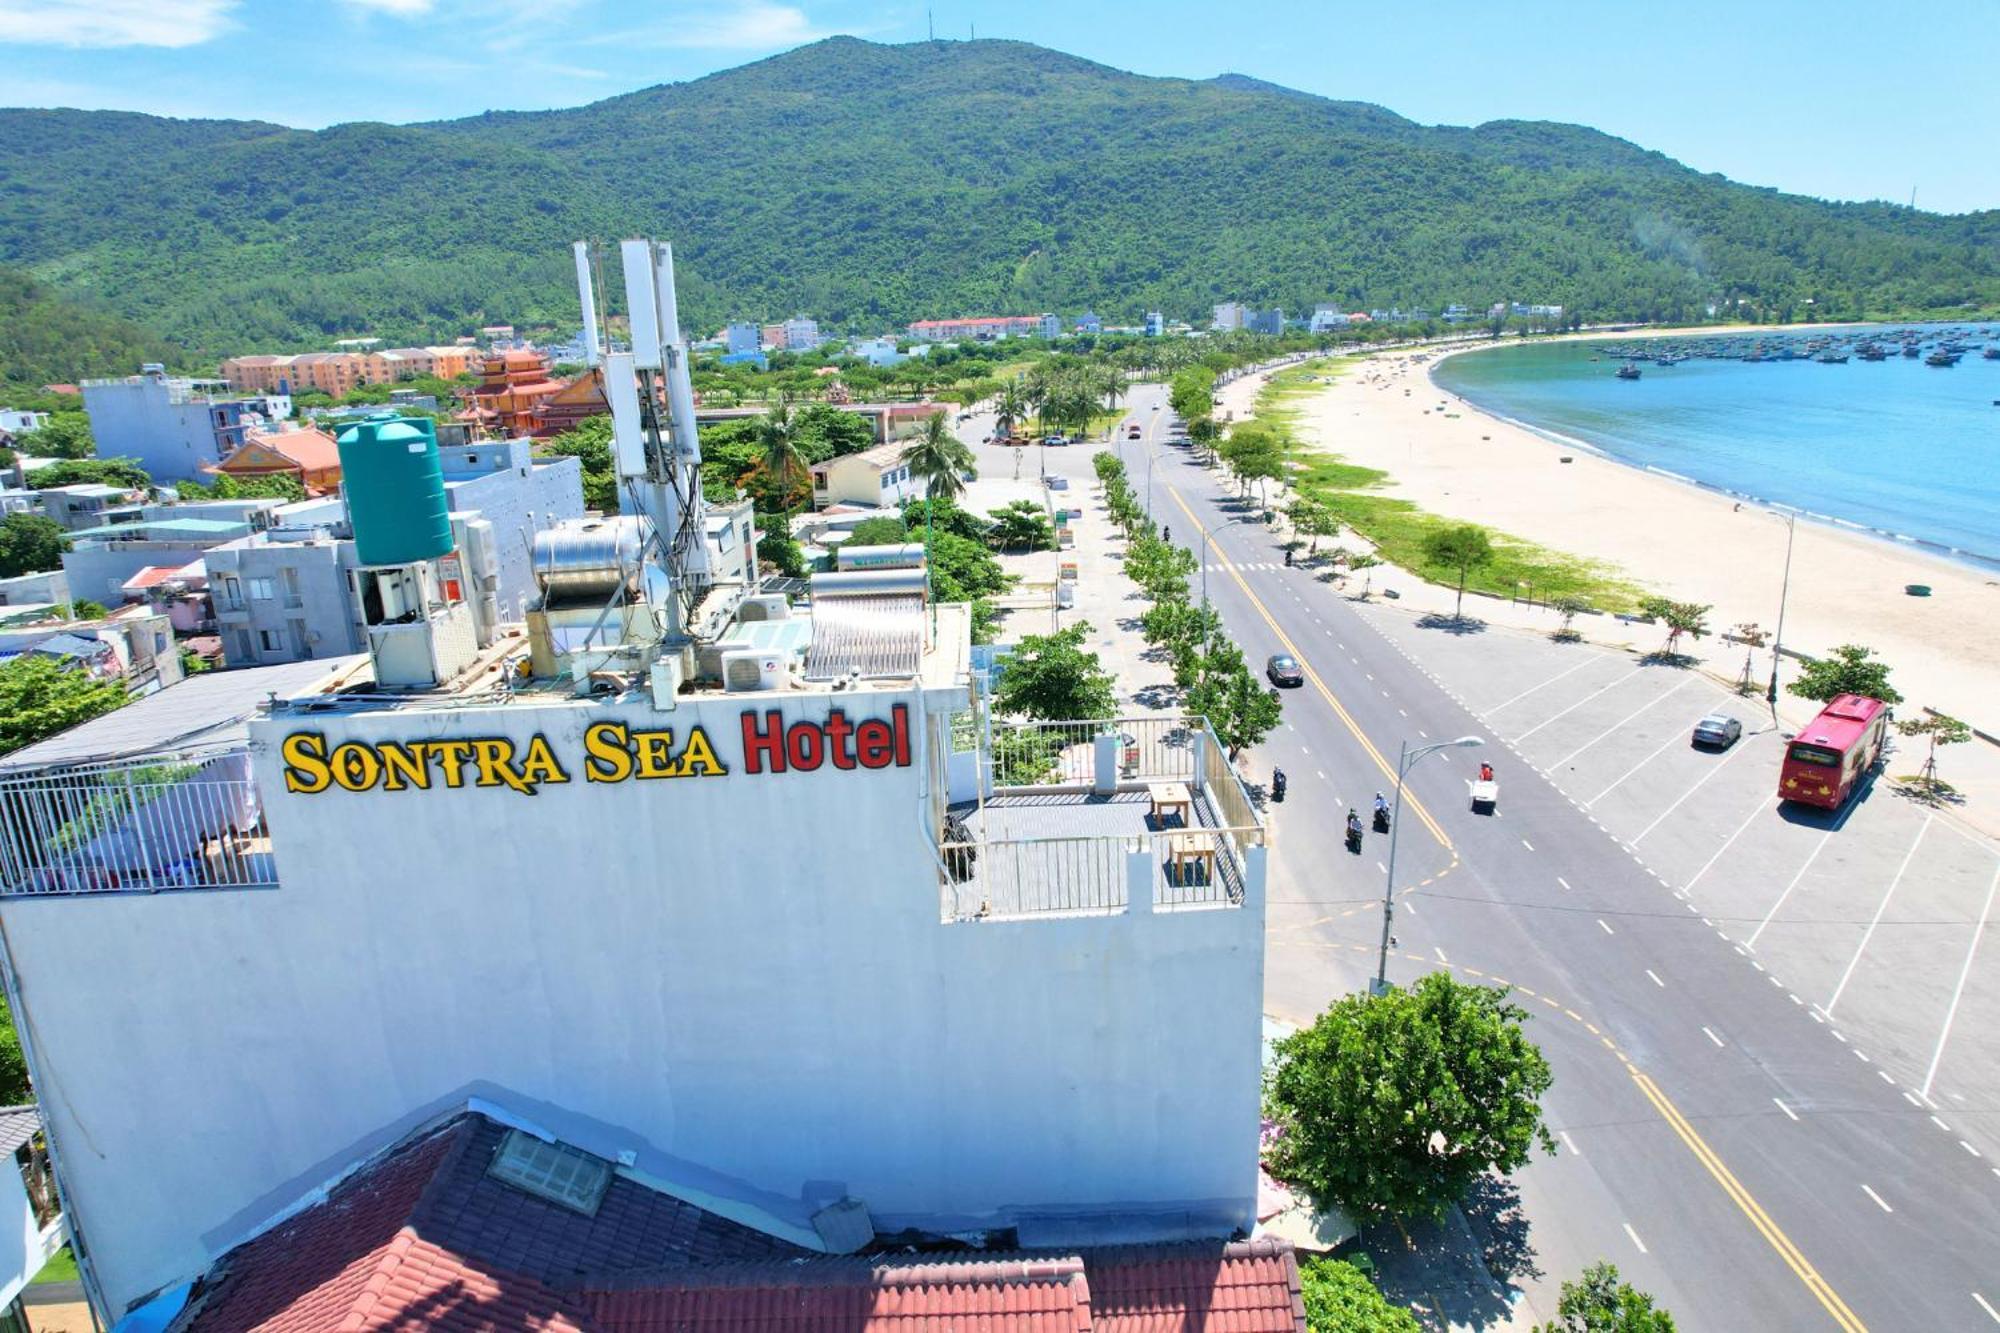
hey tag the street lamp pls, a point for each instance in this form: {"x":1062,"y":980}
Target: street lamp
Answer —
{"x":1778,"y":639}
{"x":1207,"y":533}
{"x":1406,"y":759}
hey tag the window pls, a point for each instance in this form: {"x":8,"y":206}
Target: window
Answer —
{"x":244,"y":653}
{"x":270,"y":640}
{"x":292,"y":594}
{"x":553,"y":1171}
{"x":232,"y":593}
{"x":262,"y":590}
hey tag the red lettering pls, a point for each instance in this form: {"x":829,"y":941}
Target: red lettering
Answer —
{"x":875,"y":743}
{"x":900,"y":716}
{"x":805,"y":744}
{"x":765,"y":744}
{"x":838,"y":732}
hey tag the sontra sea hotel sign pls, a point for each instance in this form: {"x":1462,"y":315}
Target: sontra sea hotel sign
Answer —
{"x":612,"y":752}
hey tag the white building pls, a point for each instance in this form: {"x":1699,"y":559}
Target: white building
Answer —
{"x":1156,"y":324}
{"x":1326,"y":318}
{"x":1229,"y":315}
{"x":877,"y":477}
{"x":19,"y":421}
{"x":778,"y":950}
{"x":741,"y":337}
{"x":879,"y":351}
{"x":801,"y":334}
{"x":1051,"y":326}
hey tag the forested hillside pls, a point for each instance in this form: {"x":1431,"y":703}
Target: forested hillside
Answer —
{"x":46,"y":339}
{"x":870,"y":184}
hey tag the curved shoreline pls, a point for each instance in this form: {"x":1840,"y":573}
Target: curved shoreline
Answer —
{"x":1951,"y":557}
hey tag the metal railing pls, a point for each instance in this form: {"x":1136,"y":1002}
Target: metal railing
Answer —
{"x":177,"y":821}
{"x":1150,"y":749}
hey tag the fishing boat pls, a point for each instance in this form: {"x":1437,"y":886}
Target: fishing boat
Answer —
{"x":1941,"y":358}
{"x":1991,"y":354}
{"x":1912,"y":351}
{"x":1870,"y":352}
{"x":1831,"y":358}
{"x":1628,"y":371}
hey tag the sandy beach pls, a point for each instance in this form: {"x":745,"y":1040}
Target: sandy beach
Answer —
{"x":1680,"y":540}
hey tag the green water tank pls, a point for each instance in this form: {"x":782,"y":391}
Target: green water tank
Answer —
{"x":395,"y":490}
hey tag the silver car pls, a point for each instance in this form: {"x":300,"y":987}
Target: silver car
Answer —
{"x":1719,"y":730}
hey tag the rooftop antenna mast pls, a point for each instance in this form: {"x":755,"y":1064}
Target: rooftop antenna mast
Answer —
{"x":653,"y":440}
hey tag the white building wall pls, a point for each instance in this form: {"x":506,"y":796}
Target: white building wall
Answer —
{"x":742,"y":980}
{"x":152,"y":419}
{"x":24,"y":1247}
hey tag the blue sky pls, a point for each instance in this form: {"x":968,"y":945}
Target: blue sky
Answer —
{"x":1841,"y":99}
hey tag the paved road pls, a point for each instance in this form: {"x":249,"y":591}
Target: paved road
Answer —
{"x":1719,"y":1144}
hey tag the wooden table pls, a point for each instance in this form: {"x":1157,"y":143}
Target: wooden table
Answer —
{"x":1186,"y":849}
{"x":1171,"y":796}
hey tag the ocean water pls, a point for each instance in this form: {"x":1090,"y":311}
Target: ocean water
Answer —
{"x":1907,"y":450}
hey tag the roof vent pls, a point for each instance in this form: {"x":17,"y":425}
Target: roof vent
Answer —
{"x":553,"y":1171}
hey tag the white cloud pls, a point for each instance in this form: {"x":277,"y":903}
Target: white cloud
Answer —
{"x":402,"y":9}
{"x":740,"y":25}
{"x":113,"y":22}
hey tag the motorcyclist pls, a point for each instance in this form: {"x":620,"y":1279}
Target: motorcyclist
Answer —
{"x":1277,"y":784}
{"x":1486,"y":772}
{"x":1353,"y":827}
{"x":1288,"y":557}
{"x":1381,"y":805}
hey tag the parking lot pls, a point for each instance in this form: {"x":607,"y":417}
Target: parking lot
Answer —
{"x":1870,"y":917}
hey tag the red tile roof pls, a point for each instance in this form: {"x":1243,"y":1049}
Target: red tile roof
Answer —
{"x":150,"y":576}
{"x":1247,"y":1287}
{"x":311,"y":448}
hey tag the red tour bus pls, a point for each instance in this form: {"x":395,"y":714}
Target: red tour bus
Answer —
{"x":1827,"y":759}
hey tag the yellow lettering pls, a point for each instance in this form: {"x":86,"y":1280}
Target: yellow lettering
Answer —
{"x":305,"y":762}
{"x":495,"y":759}
{"x":451,"y":757}
{"x":540,"y":764}
{"x":699,"y":761}
{"x":609,"y":760}
{"x":656,"y":754}
{"x":355,"y":766}
{"x":404,"y":765}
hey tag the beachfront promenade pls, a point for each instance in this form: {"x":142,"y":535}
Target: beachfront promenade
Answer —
{"x":1724,"y":1141}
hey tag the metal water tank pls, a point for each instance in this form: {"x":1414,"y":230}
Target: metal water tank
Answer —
{"x":395,"y":490}
{"x":590,"y":557}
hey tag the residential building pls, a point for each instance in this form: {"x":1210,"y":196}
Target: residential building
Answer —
{"x":48,"y":588}
{"x":30,"y":1211}
{"x":86,"y":504}
{"x":1089,"y":323}
{"x":1327,"y":318}
{"x":330,"y":373}
{"x":18,"y":421}
{"x":176,"y":428}
{"x":772,"y":336}
{"x":1051,"y":327}
{"x":876,"y":476}
{"x":282,"y":596}
{"x":984,"y":329}
{"x":1229,"y":315}
{"x":134,"y":644}
{"x":545,"y":938}
{"x":308,"y":456}
{"x":260,"y":374}
{"x":743,"y":337}
{"x":1265,"y":321}
{"x":502,"y":482}
{"x":1156,"y":324}
{"x":877,"y":351}
{"x":890,"y":421}
{"x":732,"y":541}
{"x":801,"y":334}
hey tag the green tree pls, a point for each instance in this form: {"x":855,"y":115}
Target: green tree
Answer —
{"x":40,"y":696}
{"x":1938,"y":729}
{"x":1569,"y":606}
{"x":1462,"y":548}
{"x":1180,"y":630}
{"x":781,"y":551}
{"x":30,"y":544}
{"x":85,"y":609}
{"x":826,"y":431}
{"x":1689,"y":618}
{"x":782,"y":457}
{"x":1315,"y":518}
{"x":14,"y":1086}
{"x":1023,"y":526}
{"x":1240,"y":709}
{"x":1339,"y":1298}
{"x":940,"y":458}
{"x":65,"y":435}
{"x":1393,"y":1104}
{"x":274,"y":486}
{"x":1010,"y":407}
{"x":1190,"y":392}
{"x":878,"y":532}
{"x":1849,"y":669}
{"x":1601,"y":1302}
{"x":590,"y":445}
{"x":124,"y":472}
{"x":1053,"y":677}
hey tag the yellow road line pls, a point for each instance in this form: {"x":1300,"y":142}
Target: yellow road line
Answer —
{"x":1340,"y":711}
{"x":1751,"y":1209}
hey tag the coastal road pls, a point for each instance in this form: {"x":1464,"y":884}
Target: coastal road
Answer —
{"x":1716,"y":1144}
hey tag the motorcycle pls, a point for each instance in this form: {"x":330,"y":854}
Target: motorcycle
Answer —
{"x":1382,"y":819}
{"x":1354,"y":838}
{"x":1277,"y":784}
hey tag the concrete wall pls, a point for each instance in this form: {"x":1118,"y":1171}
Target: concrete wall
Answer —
{"x":99,"y":572}
{"x":50,"y":586}
{"x":172,"y":440}
{"x":24,"y":1247}
{"x":520,"y":495}
{"x":743,"y":980}
{"x":319,"y":622}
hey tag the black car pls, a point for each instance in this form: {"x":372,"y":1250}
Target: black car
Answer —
{"x":1284,"y":669}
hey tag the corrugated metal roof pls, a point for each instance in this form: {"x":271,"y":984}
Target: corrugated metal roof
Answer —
{"x":212,"y":708}
{"x":875,"y":636}
{"x":18,"y":1124}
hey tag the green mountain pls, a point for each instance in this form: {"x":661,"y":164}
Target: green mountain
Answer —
{"x":871,"y":184}
{"x":46,"y":338}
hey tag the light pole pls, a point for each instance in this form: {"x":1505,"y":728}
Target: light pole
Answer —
{"x":1406,"y":758}
{"x":1207,"y":533}
{"x":1778,"y":639}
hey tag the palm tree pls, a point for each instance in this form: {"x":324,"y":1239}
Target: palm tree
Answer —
{"x":1009,"y":408}
{"x":782,"y":459}
{"x":940,"y":458}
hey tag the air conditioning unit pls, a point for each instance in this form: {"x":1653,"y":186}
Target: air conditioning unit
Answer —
{"x":765,"y":606}
{"x":747,"y":669}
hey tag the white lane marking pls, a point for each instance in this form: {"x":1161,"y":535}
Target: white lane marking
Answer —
{"x":1958,"y":991}
{"x":1635,"y":1237}
{"x":1529,"y":845}
{"x":1725,"y":846}
{"x":1565,"y":883}
{"x":1739,"y":748}
{"x":1656,"y":978}
{"x":1992,"y":1313}
{"x":1707,"y":1032}
{"x":1440,"y":953}
{"x":1880,"y":1202}
{"x":1322,"y":774}
{"x":1606,"y":929}
{"x":1817,"y":847}
{"x":1305,"y":749}
{"x":1941,"y":1124}
{"x":1425,"y":734}
{"x":1786,"y":1109}
{"x":1569,"y":1142}
{"x":1588,"y":661}
{"x":1410,"y":906}
{"x":1911,"y":1098}
{"x":1578,"y":704}
{"x":1404,"y":712}
{"x":1622,"y":722}
{"x":1880,"y":908}
{"x":1671,"y":740}
{"x":1887,"y":1077}
{"x":1968,"y":1147}
{"x":1379,"y":866}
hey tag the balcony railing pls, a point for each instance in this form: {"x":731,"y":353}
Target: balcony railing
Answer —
{"x":1131,"y":814}
{"x":176,"y":821}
